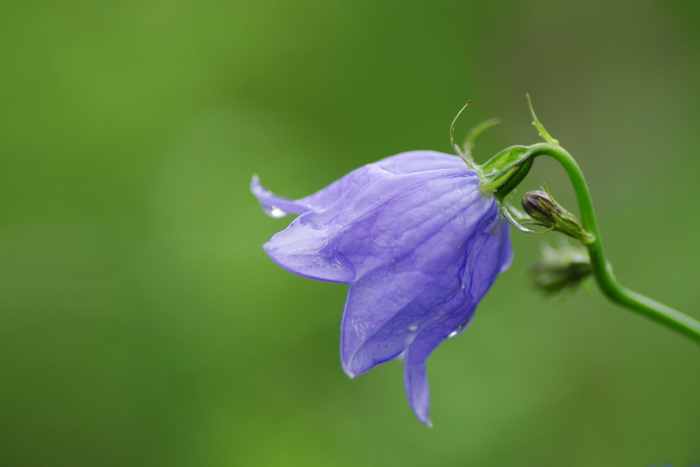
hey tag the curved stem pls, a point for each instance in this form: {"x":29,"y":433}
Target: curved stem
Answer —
{"x":604,"y":276}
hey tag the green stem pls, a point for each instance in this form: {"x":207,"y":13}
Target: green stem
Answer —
{"x":604,"y":277}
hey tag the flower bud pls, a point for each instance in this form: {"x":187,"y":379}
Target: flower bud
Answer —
{"x":561,"y":269}
{"x":548,"y":213}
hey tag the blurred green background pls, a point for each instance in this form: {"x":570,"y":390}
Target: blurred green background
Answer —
{"x":141,"y":322}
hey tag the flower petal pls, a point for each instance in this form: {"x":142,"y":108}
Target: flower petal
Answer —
{"x":506,"y":257}
{"x":415,"y":377}
{"x":383,"y":174}
{"x":480,"y":272}
{"x":404,"y":291}
{"x":400,"y":164}
{"x":331,"y":241}
{"x":388,"y":338}
{"x":273,"y":205}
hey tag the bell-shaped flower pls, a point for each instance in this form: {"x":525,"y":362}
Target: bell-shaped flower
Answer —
{"x":417,"y":241}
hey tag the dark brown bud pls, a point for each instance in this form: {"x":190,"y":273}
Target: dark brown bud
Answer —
{"x":548,"y":213}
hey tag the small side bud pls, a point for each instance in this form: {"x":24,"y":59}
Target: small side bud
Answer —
{"x":539,"y":206}
{"x":561,"y":270}
{"x":548,"y":213}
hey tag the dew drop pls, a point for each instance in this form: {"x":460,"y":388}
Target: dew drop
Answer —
{"x":277,"y":212}
{"x":456,"y":331}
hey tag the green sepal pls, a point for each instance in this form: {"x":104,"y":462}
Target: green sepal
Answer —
{"x":505,"y":171}
{"x":476,"y":131}
{"x":540,"y":128}
{"x":504,"y":160}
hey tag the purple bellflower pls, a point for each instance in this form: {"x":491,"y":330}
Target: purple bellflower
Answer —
{"x":419,"y":244}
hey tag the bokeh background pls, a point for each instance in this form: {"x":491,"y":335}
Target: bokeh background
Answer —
{"x":141,"y":323}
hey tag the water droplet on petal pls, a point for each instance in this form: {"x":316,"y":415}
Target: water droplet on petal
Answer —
{"x":276,"y":212}
{"x":456,"y":331}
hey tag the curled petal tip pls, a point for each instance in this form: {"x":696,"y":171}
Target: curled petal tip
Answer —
{"x":425,"y":419}
{"x":255,"y":186}
{"x":273,"y":205}
{"x":345,"y":363}
{"x":350,"y":374}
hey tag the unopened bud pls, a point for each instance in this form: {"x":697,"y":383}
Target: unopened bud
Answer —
{"x":561,"y":269}
{"x":548,"y":213}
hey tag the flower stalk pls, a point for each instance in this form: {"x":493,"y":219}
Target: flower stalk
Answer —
{"x":605,"y":279}
{"x":504,"y":171}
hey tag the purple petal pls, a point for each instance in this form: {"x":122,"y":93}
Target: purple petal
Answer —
{"x":401,"y":292}
{"x":506,"y":256}
{"x":430,"y":313}
{"x":330,"y":241}
{"x":415,"y":378}
{"x":480,"y":272}
{"x":384,"y":172}
{"x":400,"y":164}
{"x":273,"y":205}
